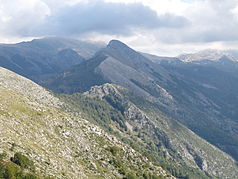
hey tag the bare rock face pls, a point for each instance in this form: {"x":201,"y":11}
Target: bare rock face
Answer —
{"x":134,"y":113}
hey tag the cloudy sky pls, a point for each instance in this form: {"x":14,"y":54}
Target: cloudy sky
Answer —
{"x":163,"y":27}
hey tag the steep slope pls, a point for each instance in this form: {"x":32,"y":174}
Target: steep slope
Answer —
{"x":78,"y":78}
{"x":205,"y":85}
{"x":197,"y":93}
{"x":61,"y":145}
{"x":208,"y":97}
{"x":144,"y":127}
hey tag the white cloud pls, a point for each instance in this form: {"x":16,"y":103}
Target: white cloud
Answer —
{"x":16,"y":16}
{"x":212,"y":23}
{"x":176,"y":7}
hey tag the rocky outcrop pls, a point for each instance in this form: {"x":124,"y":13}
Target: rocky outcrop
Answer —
{"x":104,"y":90}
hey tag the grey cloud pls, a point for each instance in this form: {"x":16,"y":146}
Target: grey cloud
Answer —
{"x":211,"y":21}
{"x":106,"y":18}
{"x":194,"y":35}
{"x":223,"y":34}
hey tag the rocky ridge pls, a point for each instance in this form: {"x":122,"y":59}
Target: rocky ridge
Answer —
{"x":185,"y":144}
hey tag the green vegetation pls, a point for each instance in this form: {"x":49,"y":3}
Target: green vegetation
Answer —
{"x":16,"y":167}
{"x":22,"y":161}
{"x":3,"y":156}
{"x":95,"y":110}
{"x":114,"y":150}
{"x":108,"y":113}
{"x":126,"y":169}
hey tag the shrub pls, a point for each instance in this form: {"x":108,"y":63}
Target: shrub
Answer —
{"x":14,"y":169}
{"x":22,"y":161}
{"x":9,"y":170}
{"x":3,"y":156}
{"x":131,"y":176}
{"x":114,"y":150}
{"x":30,"y":176}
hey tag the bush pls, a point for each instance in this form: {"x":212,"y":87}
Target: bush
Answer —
{"x":22,"y":161}
{"x":30,"y":176}
{"x":14,"y":169}
{"x":114,"y":150}
{"x":131,"y":176}
{"x":3,"y":156}
{"x":9,"y":170}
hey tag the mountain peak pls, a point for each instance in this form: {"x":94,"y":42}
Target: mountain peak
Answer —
{"x":116,"y":44}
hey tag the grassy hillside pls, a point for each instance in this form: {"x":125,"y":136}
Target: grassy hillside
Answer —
{"x":59,"y":144}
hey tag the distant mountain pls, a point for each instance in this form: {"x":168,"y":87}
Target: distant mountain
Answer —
{"x":117,"y":64}
{"x":158,"y":59}
{"x":212,"y":55}
{"x":207,"y":90}
{"x":46,"y":56}
{"x":59,"y":144}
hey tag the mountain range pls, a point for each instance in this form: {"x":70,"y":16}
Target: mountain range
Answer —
{"x":198,"y":93}
{"x":177,"y":114}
